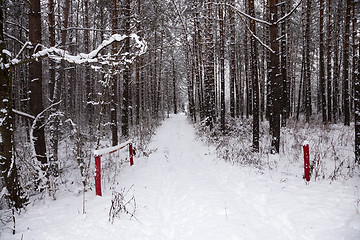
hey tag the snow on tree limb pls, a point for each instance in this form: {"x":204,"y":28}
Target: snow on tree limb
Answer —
{"x":83,"y":58}
{"x":23,"y":114}
{"x":239,"y":12}
{"x":33,"y":126}
{"x":256,"y":37}
{"x":241,"y":15}
{"x":289,"y":13}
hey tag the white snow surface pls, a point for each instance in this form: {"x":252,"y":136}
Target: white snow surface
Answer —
{"x":184,"y":192}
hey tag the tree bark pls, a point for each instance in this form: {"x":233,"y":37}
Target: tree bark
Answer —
{"x":126,"y":74}
{"x":7,"y":160}
{"x":222,"y":68}
{"x":322,"y":83}
{"x":174,"y":85}
{"x":284,"y":69}
{"x":346,"y":58}
{"x":275,"y":80}
{"x":89,"y":90}
{"x":307,"y":79}
{"x":254,"y":76}
{"x":209,"y":79}
{"x":35,"y":78}
{"x":328,"y":60}
{"x":232,"y":50}
{"x":357,"y":97}
{"x":114,"y":83}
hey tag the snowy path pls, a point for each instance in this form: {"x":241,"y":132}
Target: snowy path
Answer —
{"x":190,"y":194}
{"x":183,"y":192}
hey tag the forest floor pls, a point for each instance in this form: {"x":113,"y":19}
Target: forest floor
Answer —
{"x":183,"y":191}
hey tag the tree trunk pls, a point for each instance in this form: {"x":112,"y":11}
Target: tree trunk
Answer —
{"x":307,"y":80}
{"x":126,"y":74}
{"x":35,"y":78}
{"x":7,"y":160}
{"x":254,"y":76}
{"x":284,"y":67}
{"x":329,"y":67}
{"x":336,"y":68}
{"x":114,"y":83}
{"x":232,"y":60}
{"x":174,"y":85}
{"x":209,"y":80}
{"x":89,"y":96}
{"x":275,"y":80}
{"x":357,"y":98}
{"x":53,"y":86}
{"x":322,"y":83}
{"x":198,"y":62}
{"x":346,"y":58}
{"x":222,"y":68}
{"x":51,"y":16}
{"x":248,"y":93}
{"x":137,"y":67}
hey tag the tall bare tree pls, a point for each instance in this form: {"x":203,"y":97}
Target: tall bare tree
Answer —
{"x":114,"y":83}
{"x":222,"y":67}
{"x":275,"y":80}
{"x":254,"y":76}
{"x":357,"y":93}
{"x":322,"y":83}
{"x":126,"y":73}
{"x":329,"y":62}
{"x":35,"y":78}
{"x":307,"y":59}
{"x":232,"y":50}
{"x":346,"y":59}
{"x":8,"y":164}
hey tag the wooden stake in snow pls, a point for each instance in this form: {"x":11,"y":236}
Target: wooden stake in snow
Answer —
{"x":306,"y":161}
{"x":101,"y":152}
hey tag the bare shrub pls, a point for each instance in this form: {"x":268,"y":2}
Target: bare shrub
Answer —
{"x":121,"y":203}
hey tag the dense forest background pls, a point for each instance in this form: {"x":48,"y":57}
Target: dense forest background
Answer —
{"x":77,"y":74}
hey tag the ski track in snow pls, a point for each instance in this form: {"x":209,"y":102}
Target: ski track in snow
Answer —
{"x":184,"y":192}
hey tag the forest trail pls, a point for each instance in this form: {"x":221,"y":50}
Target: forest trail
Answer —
{"x":184,"y":192}
{"x":189,"y":196}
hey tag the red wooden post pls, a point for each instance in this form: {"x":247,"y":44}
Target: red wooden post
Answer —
{"x":306,"y":161}
{"x":97,"y":175}
{"x":131,"y":154}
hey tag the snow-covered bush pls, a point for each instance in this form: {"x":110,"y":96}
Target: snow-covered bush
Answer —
{"x":331,"y":147}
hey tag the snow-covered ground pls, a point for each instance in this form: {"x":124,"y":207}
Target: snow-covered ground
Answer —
{"x":183,"y":191}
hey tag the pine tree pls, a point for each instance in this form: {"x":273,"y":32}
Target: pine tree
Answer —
{"x":346,"y":58}
{"x":8,"y":165}
{"x":114,"y":83}
{"x":36,"y":83}
{"x":322,"y":83}
{"x":254,"y":76}
{"x":275,"y":80}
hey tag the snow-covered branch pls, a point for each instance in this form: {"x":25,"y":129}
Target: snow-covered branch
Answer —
{"x":256,"y":37}
{"x":289,"y":13}
{"x":36,"y":119}
{"x":93,"y":57}
{"x":23,"y":114}
{"x":239,"y":12}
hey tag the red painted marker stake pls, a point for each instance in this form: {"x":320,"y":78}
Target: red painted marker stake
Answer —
{"x":97,"y":175}
{"x":131,"y":154}
{"x":306,"y":161}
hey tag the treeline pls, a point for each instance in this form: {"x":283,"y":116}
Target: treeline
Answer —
{"x":279,"y":59}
